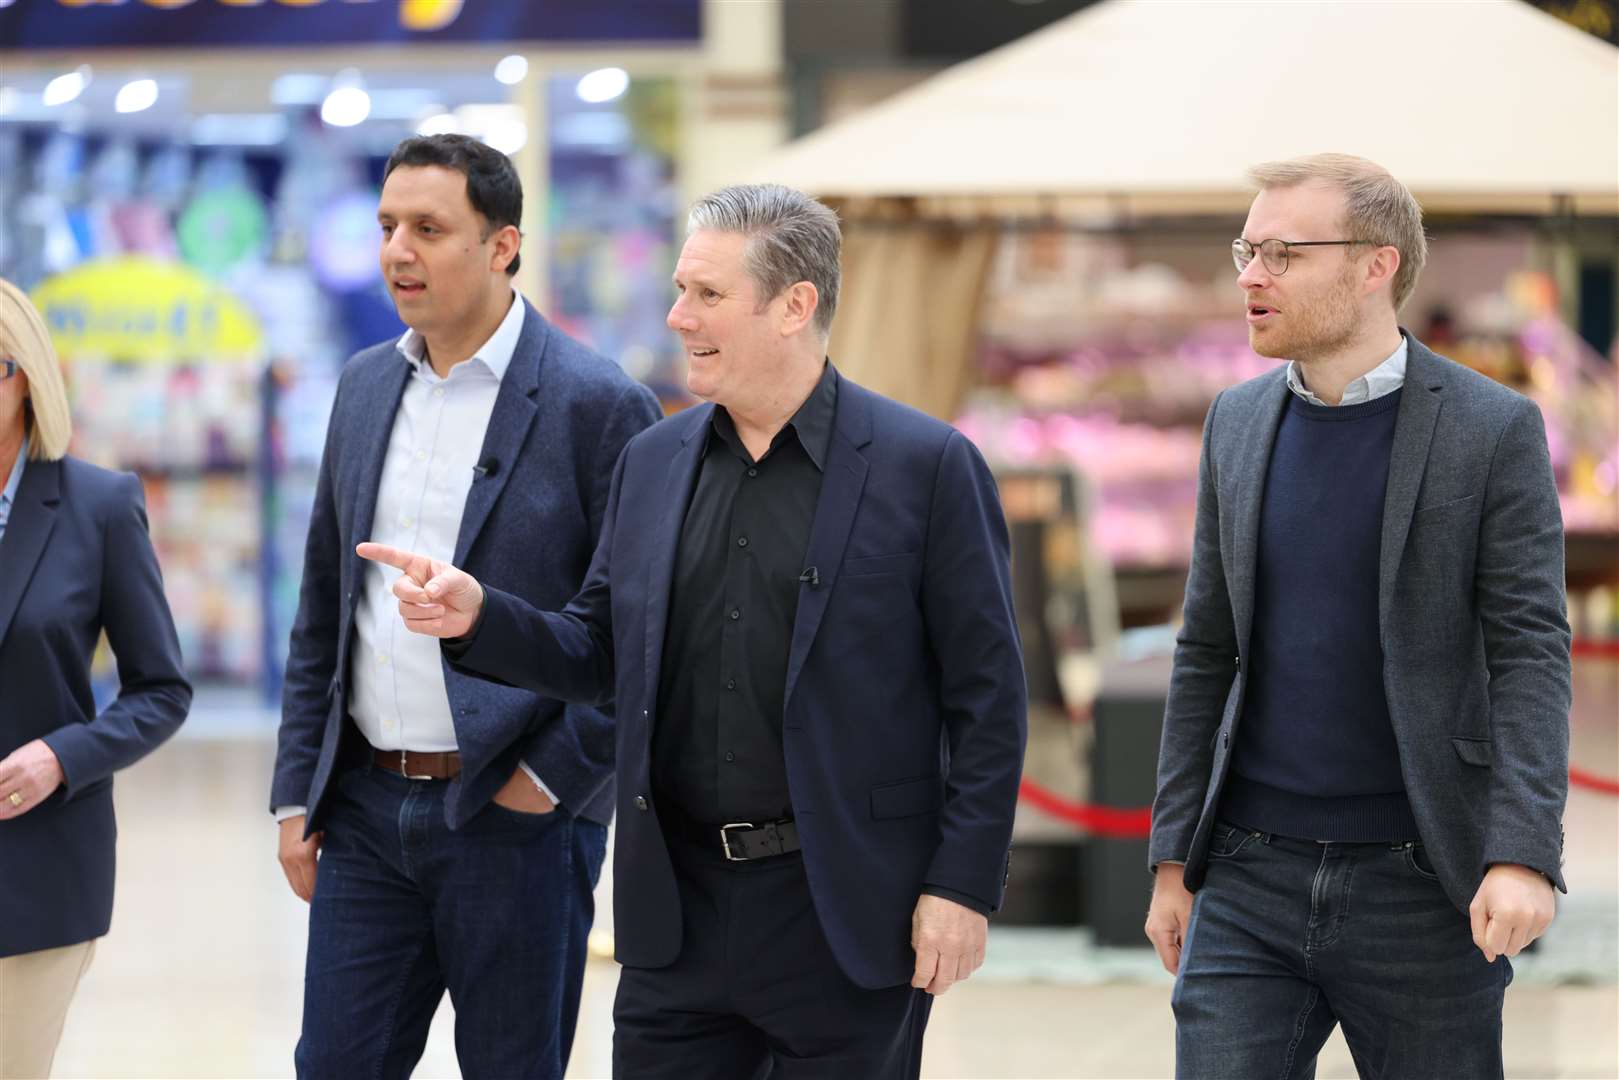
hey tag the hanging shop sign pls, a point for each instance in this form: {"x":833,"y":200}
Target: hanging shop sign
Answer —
{"x":90,"y":23}
{"x":145,"y":310}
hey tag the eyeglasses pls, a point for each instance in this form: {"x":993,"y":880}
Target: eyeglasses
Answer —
{"x":8,"y":368}
{"x":1275,"y":253}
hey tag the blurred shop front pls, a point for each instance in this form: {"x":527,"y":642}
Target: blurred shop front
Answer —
{"x":1038,"y":249}
{"x":189,"y":194}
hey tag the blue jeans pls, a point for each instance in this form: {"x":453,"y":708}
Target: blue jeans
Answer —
{"x":496,"y":912}
{"x":1289,"y":938}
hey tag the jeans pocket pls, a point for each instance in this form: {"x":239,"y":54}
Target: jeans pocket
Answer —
{"x":527,"y":818}
{"x":1416,"y":858}
{"x":1227,"y":840}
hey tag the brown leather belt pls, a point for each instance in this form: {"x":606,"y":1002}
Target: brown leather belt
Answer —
{"x":418,"y":764}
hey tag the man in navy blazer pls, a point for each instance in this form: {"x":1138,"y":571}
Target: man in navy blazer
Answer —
{"x":461,"y":825}
{"x":801,"y":602}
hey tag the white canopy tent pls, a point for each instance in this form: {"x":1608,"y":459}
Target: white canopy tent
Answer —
{"x":1155,"y":104}
{"x":1144,"y":108}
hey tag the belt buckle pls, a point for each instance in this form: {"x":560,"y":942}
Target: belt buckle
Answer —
{"x":404,"y":767}
{"x":725,"y":839}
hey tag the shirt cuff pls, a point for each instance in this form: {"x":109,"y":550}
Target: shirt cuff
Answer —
{"x":282,"y":813}
{"x":961,"y":898}
{"x":534,"y":776}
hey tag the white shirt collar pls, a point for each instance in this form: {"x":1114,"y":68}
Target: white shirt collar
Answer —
{"x":14,"y":481}
{"x":1385,"y":378}
{"x":496,"y":353}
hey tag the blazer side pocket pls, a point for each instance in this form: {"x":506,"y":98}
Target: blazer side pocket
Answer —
{"x":1473,"y":751}
{"x":907,"y":798}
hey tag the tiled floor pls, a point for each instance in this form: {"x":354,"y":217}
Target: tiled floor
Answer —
{"x":201,"y":975}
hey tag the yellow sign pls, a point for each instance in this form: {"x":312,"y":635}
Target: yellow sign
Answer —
{"x":147,"y":311}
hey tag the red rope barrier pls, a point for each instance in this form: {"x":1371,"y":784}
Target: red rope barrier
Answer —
{"x":1100,"y":820}
{"x":1608,"y":650}
{"x":1137,"y":824}
{"x":1581,"y":778}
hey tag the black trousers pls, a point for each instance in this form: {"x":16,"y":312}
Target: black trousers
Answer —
{"x":755,"y":992}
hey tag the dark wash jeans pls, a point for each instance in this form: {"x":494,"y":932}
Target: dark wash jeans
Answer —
{"x":496,"y":912}
{"x":1290,"y":937}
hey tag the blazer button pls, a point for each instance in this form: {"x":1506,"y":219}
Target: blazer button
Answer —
{"x":1225,"y":738}
{"x":1238,"y":662}
{"x":640,"y":802}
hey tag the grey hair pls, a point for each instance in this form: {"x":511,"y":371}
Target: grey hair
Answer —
{"x":790,"y":238}
{"x":1378,"y":208}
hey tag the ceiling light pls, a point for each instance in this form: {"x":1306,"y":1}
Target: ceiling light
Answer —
{"x":345,"y":106}
{"x":512,"y":69}
{"x":64,"y":88}
{"x":438,"y":124}
{"x":603,"y":85}
{"x":136,"y":95}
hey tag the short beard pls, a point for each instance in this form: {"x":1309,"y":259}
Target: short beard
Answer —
{"x":1327,"y":326}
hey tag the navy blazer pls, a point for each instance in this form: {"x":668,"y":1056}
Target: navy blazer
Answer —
{"x":905,"y":715}
{"x":561,"y":416}
{"x":75,"y":560}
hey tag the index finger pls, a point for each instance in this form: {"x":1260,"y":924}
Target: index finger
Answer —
{"x":391,"y":556}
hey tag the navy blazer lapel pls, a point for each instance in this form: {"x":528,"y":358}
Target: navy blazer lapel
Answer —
{"x":676,"y":491}
{"x":509,"y":423}
{"x":1252,"y":465}
{"x":841,"y":488}
{"x":1408,"y":460}
{"x":374,"y":414}
{"x":33,"y":516}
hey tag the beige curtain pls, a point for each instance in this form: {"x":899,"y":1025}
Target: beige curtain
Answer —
{"x":907,"y":319}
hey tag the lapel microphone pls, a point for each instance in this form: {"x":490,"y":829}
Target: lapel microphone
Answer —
{"x":488,"y":467}
{"x":811,"y":577}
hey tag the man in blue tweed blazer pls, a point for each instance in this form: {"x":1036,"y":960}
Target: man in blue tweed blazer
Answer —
{"x":460,"y":825}
{"x":1365,"y":748}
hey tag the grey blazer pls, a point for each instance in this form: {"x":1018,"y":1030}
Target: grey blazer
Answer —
{"x":1471,"y":609}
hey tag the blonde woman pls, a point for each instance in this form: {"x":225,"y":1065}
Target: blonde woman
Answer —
{"x":75,"y":559}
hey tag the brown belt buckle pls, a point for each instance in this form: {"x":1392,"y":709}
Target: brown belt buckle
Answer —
{"x":725,"y":839}
{"x":404,"y":767}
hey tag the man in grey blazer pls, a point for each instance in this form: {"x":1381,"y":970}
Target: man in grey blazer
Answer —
{"x":1365,"y":747}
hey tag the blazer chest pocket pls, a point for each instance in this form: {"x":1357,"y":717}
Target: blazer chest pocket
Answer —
{"x":880,"y":564}
{"x":907,"y":798}
{"x":1443,"y":510}
{"x":1474,"y":752}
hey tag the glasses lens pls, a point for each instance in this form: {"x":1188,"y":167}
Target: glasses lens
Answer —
{"x":1274,"y":252}
{"x":1242,"y":253}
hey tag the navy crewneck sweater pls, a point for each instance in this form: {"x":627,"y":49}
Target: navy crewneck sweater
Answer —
{"x":1315,"y":755}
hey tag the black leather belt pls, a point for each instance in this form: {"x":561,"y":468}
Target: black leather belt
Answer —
{"x":740,"y":841}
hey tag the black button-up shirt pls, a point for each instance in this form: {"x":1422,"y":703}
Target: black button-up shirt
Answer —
{"x":716,"y":743}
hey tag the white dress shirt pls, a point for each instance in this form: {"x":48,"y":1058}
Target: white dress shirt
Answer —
{"x":8,"y":493}
{"x":398,"y":697}
{"x":1385,"y":378}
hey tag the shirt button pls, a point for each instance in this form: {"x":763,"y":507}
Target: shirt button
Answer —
{"x":421,"y":455}
{"x":729,"y":756}
{"x":736,"y":613}
{"x":742,"y":541}
{"x":439,"y":392}
{"x":753,"y":472}
{"x":640,"y":802}
{"x":382,"y":658}
{"x":730,"y":684}
{"x":404,"y":523}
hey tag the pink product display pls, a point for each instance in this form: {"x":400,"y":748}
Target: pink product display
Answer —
{"x":1143,"y":478}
